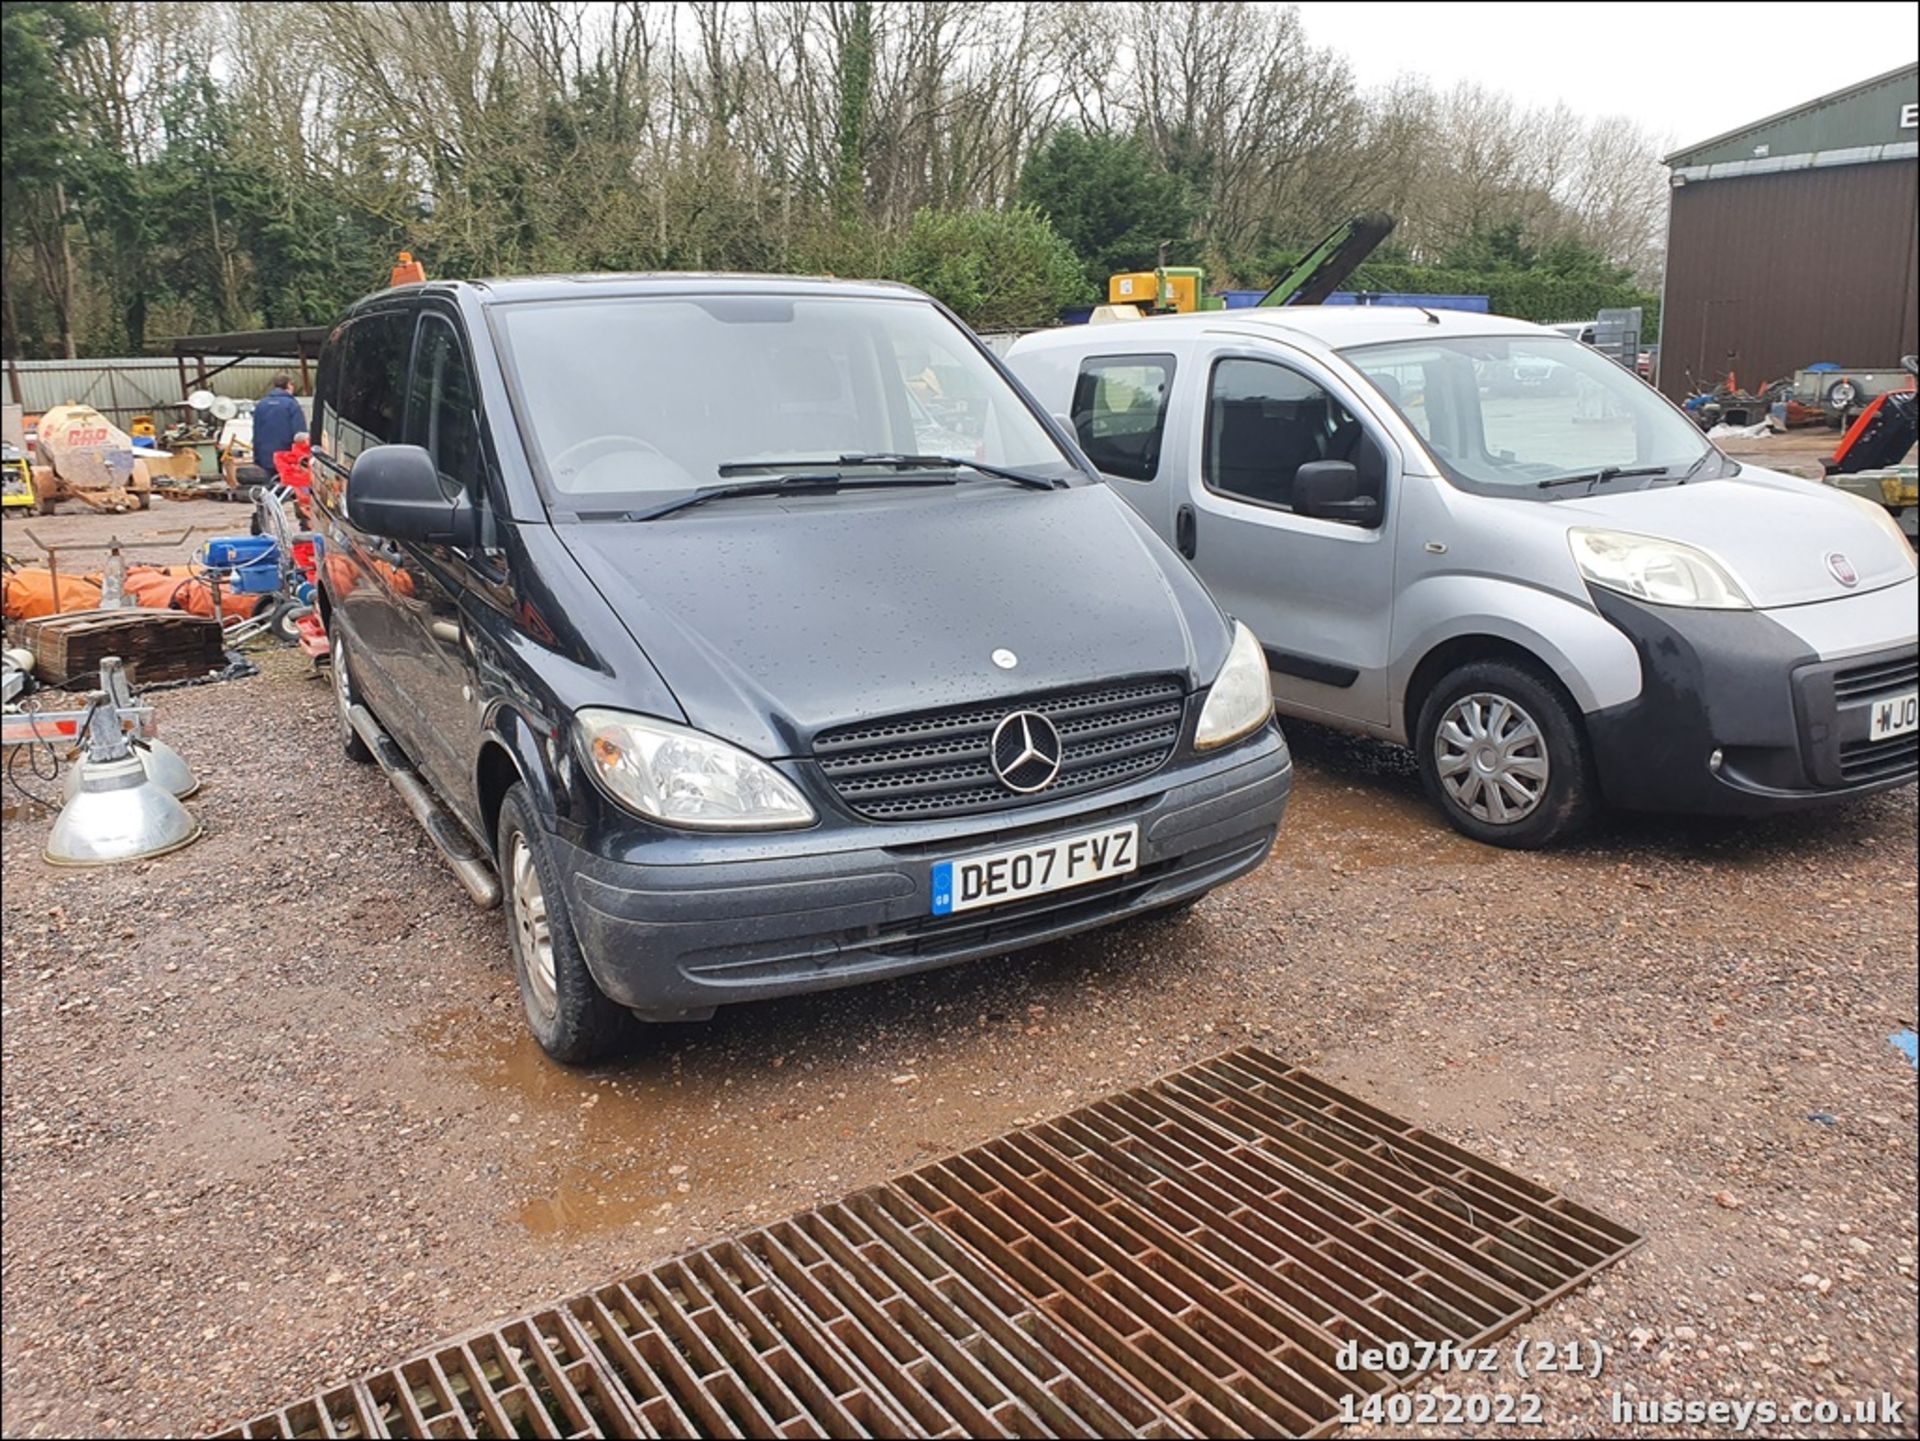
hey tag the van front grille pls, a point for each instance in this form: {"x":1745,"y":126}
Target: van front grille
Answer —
{"x":1880,"y":760}
{"x":1861,"y":681}
{"x":937,"y":763}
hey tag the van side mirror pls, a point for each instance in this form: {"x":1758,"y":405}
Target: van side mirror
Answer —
{"x":1334,"y":490}
{"x":394,"y":491}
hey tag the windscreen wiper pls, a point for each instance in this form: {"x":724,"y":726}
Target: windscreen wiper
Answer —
{"x":1597,"y":477}
{"x":818,"y":482}
{"x":899,"y":461}
{"x":1694,"y":469}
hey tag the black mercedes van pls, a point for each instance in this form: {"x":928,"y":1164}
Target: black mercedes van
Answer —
{"x":745,"y":636}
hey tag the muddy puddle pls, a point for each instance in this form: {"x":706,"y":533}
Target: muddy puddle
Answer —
{"x":1358,"y":805}
{"x":1336,"y":824}
{"x":649,"y":1141}
{"x":605,"y":1141}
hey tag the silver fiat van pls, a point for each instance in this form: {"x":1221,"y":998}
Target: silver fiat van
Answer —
{"x":1485,"y":540}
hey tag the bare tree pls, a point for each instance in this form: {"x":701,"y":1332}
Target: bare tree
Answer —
{"x":505,"y":135}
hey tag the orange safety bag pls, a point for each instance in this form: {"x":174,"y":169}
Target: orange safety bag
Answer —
{"x":180,"y":587}
{"x":29,"y":594}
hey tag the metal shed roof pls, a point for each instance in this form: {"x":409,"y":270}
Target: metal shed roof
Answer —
{"x":1876,"y":114}
{"x":280,"y":344}
{"x":125,"y":386}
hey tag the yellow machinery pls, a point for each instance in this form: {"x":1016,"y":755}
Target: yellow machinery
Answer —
{"x":1168,"y":290}
{"x":1181,"y":289}
{"x":16,"y":479}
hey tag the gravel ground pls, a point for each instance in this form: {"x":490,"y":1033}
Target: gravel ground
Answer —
{"x":271,"y":1118}
{"x":1798,"y":452}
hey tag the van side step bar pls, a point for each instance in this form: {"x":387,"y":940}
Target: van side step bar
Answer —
{"x":469,"y":865}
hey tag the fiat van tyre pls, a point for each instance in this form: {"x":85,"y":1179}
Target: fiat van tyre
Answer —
{"x":1504,"y":756}
{"x":569,"y":1015}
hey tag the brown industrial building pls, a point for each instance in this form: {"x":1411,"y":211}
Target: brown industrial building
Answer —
{"x":1795,"y":240}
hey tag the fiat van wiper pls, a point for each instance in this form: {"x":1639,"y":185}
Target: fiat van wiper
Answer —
{"x":804,"y":484}
{"x":1694,"y":469}
{"x":900,"y":461}
{"x":1597,"y":477}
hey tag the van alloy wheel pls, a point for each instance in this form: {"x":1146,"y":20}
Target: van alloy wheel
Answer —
{"x":531,"y":921}
{"x":568,"y":1013}
{"x":1492,"y":758}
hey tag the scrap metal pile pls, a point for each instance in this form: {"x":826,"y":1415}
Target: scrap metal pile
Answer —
{"x":73,"y":452}
{"x":246,"y":583}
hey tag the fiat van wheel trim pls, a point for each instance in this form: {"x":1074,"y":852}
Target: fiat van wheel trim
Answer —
{"x":1492,"y":758}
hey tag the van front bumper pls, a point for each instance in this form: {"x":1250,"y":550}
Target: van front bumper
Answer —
{"x":713,"y":920}
{"x":1740,"y":714}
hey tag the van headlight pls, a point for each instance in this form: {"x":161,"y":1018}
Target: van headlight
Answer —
{"x":1664,"y":572}
{"x":1241,"y":700}
{"x":682,"y":777}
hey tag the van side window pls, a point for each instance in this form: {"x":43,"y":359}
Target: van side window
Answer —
{"x":326,"y":382}
{"x":440,"y":407}
{"x":1120,"y":412}
{"x":373,"y":381}
{"x":1264,"y":422}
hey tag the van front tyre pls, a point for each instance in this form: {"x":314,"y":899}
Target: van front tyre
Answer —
{"x":1504,"y":756}
{"x":567,"y":1012}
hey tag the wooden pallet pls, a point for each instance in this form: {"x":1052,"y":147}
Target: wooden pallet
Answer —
{"x":155,"y":645}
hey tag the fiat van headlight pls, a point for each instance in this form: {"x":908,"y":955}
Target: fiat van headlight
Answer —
{"x":1664,"y":572}
{"x":1241,"y":700}
{"x":682,"y":777}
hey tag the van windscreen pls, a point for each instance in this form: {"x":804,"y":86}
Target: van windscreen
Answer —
{"x":642,"y":396}
{"x":1529,"y":414}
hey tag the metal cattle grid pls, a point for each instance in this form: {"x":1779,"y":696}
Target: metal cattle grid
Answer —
{"x":1182,"y":1259}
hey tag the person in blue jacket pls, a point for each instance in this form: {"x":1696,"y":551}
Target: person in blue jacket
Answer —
{"x":277,"y":419}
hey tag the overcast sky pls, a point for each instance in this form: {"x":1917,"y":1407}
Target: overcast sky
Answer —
{"x":1686,"y":72}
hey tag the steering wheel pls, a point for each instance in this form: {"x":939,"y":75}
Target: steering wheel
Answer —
{"x":577,"y":457}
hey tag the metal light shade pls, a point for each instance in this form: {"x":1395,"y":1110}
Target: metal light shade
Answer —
{"x":118,"y":812}
{"x":165,"y":767}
